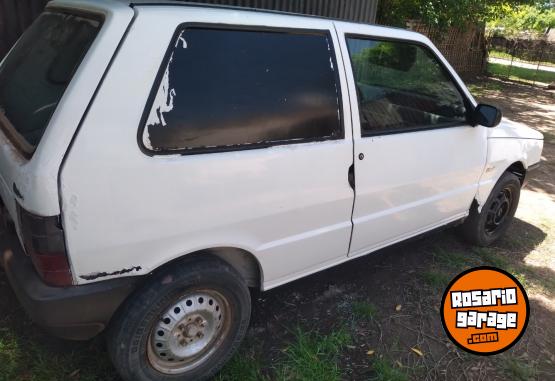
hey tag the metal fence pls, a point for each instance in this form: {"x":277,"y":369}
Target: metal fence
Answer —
{"x":522,"y":60}
{"x":464,"y":48}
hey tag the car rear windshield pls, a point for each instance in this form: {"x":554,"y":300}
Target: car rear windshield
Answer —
{"x":34,"y":76}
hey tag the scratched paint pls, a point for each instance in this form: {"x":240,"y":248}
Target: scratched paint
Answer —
{"x":97,"y":275}
{"x":164,"y":100}
{"x":163,"y":103}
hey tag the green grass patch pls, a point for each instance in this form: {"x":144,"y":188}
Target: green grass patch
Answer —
{"x":490,"y":258}
{"x":27,"y":359}
{"x":9,"y":356}
{"x":242,"y":367}
{"x":528,"y":276}
{"x":531,"y":279}
{"x":436,"y":278}
{"x":517,"y":369}
{"x":313,"y":356}
{"x":520,"y":73}
{"x":451,"y":259}
{"x":364,"y":310}
{"x":479,"y":89}
{"x":498,"y":54}
{"x":385,"y":371}
{"x":521,"y":277}
{"x":507,"y":56}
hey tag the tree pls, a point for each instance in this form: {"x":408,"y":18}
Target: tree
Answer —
{"x":444,"y":13}
{"x":538,"y":18}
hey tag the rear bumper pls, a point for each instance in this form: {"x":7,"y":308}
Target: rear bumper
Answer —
{"x":74,"y":313}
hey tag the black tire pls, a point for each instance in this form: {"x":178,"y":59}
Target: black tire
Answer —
{"x":129,"y":337}
{"x":485,"y":227}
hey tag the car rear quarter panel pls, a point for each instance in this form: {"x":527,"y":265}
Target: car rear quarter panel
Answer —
{"x":37,"y":178}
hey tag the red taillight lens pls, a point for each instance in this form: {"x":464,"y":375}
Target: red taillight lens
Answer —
{"x":43,"y":239}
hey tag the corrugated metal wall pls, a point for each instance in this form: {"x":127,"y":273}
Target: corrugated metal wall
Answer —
{"x":353,"y":10}
{"x":17,"y":15}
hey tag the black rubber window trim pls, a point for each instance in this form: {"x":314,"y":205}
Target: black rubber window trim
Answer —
{"x":253,"y":28}
{"x":469,"y":106}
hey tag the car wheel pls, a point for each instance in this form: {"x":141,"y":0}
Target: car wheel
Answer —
{"x":185,"y":324}
{"x":487,"y":226}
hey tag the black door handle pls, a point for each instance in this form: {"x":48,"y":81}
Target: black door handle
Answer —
{"x":351,"y":176}
{"x":17,"y":192}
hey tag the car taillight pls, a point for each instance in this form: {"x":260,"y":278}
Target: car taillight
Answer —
{"x":43,"y":240}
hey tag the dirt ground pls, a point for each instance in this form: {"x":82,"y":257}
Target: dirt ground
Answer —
{"x":387,"y":304}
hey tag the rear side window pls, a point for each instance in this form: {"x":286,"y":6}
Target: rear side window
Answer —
{"x":226,"y":89}
{"x":36,"y":73}
{"x":402,"y":86}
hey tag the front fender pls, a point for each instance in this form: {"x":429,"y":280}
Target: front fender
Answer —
{"x":504,"y":151}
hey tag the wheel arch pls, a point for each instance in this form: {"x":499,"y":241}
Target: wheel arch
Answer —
{"x":491,"y":177}
{"x":243,"y":261}
{"x":518,"y":169}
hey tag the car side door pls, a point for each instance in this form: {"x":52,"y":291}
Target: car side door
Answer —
{"x":418,"y":161}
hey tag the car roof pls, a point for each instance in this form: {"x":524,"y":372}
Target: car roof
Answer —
{"x":240,"y":8}
{"x":184,"y":3}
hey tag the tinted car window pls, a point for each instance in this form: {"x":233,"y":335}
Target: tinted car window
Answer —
{"x":223,"y":89}
{"x":402,"y":86}
{"x":35,"y":74}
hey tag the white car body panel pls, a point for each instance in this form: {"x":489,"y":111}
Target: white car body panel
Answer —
{"x":291,"y":211}
{"x":433,"y":181}
{"x":126,"y":213}
{"x":508,"y":143}
{"x":37,"y":179}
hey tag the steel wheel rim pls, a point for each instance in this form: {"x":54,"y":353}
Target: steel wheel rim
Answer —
{"x":499,"y":210}
{"x":189,"y":331}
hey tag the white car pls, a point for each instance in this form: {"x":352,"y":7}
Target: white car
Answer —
{"x":157,"y":159}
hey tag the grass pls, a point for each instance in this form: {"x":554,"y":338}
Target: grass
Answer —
{"x":507,"y":56}
{"x":478,"y":89}
{"x":436,"y":279}
{"x":364,"y":310}
{"x":489,"y":257}
{"x":528,"y":276}
{"x":517,"y":369}
{"x":313,"y":356}
{"x":9,"y":355}
{"x":243,"y":366}
{"x":451,"y":259}
{"x":521,"y":74}
{"x":385,"y":371}
{"x":310,"y":356}
{"x":498,"y":54}
{"x":27,"y":360}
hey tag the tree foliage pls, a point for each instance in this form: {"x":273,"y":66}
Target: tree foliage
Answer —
{"x":537,"y":18}
{"x":445,"y":13}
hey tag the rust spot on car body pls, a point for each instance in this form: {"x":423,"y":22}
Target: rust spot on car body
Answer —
{"x":105,"y":274}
